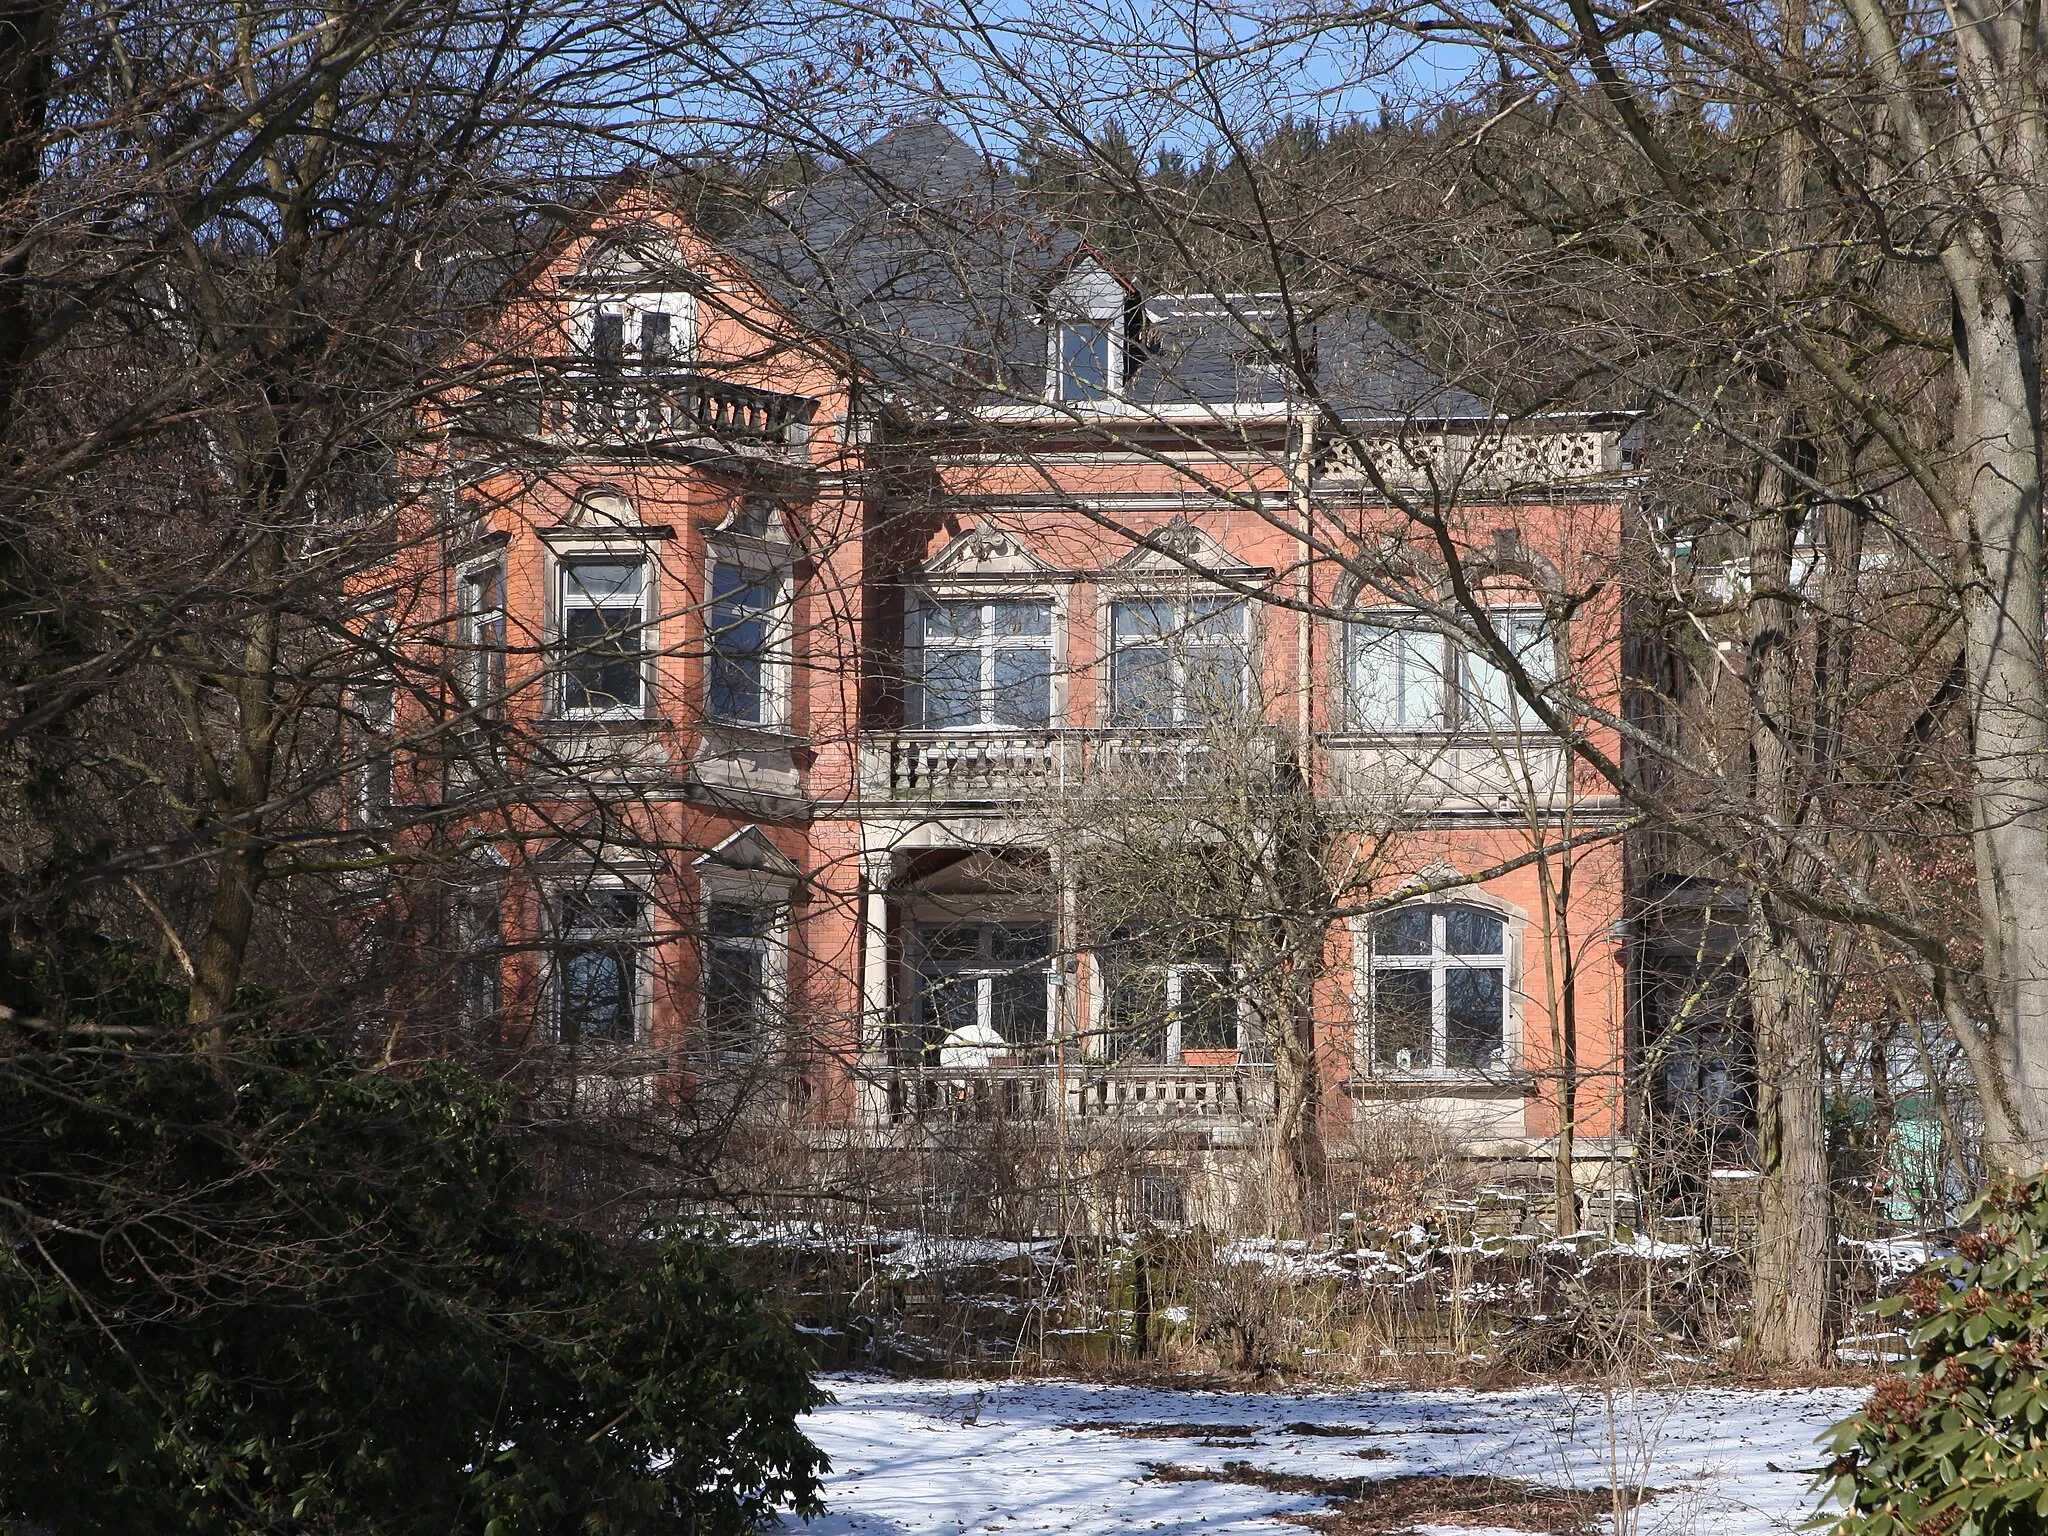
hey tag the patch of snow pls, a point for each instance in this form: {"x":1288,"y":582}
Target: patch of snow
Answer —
{"x":1025,"y":1458}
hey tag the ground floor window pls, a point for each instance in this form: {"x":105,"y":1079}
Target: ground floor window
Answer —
{"x":1439,"y":990}
{"x":982,"y":990}
{"x":738,"y":977}
{"x":1165,"y":1012}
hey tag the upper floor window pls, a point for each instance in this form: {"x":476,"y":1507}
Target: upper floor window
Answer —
{"x":1179,"y":661}
{"x":982,"y":990}
{"x":1439,"y":990}
{"x":1165,"y":1011}
{"x":480,"y":638}
{"x":604,"y":614}
{"x":737,"y":974}
{"x":985,"y":664}
{"x":1403,"y":676}
{"x":1086,"y":354}
{"x":597,"y":966}
{"x":740,"y":644}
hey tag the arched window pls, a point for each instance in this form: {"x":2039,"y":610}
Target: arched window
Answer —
{"x":1439,"y":990}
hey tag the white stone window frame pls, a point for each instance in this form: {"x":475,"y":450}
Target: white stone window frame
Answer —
{"x":632,"y":296}
{"x":769,"y":556}
{"x":768,"y":892}
{"x":1455,"y":715}
{"x":1179,"y":592}
{"x":1514,"y":931}
{"x":481,"y":670}
{"x":557,"y":893}
{"x":478,"y":923}
{"x":371,"y":726}
{"x":604,"y":545}
{"x":988,"y":589}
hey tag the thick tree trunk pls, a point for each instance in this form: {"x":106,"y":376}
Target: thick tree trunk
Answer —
{"x":1299,"y":1162}
{"x":1795,"y":1226}
{"x":2007,"y":691}
{"x":1795,"y":1235}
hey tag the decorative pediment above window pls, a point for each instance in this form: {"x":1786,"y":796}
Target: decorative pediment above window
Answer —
{"x":598,"y":844}
{"x":986,"y":550}
{"x":602,"y":506}
{"x":1181,"y":549}
{"x":752,"y":521}
{"x":748,"y":850}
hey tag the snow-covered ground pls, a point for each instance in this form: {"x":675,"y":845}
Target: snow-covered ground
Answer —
{"x":1018,"y":1458}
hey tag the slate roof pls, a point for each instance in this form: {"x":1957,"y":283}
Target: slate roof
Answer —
{"x":1235,"y":349}
{"x":931,"y":266}
{"x":918,"y":257}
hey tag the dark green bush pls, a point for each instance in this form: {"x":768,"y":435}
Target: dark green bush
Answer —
{"x":1954,"y":1446}
{"x":280,"y":1292}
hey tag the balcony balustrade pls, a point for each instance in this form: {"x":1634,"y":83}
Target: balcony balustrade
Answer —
{"x":1419,"y":773}
{"x":1166,"y":1096}
{"x":997,"y":766}
{"x":690,"y":415}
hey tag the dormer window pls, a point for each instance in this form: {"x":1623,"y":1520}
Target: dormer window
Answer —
{"x":637,"y":312}
{"x":1085,"y":337}
{"x":1086,"y":358}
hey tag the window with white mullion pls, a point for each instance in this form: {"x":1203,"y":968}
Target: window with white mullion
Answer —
{"x":985,"y":663}
{"x":1487,"y":699}
{"x":983,"y":988}
{"x":739,"y":974}
{"x":1439,"y":995}
{"x":1179,"y":661}
{"x":480,"y":640}
{"x":1403,"y":675}
{"x":1159,"y":1012}
{"x":603,"y":619}
{"x":601,"y":934}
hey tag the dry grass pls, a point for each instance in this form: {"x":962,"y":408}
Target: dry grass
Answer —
{"x":1387,"y":1506}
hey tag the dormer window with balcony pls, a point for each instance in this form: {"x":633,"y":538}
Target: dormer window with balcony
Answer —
{"x":633,"y":309}
{"x":984,"y":663}
{"x":1404,"y":676}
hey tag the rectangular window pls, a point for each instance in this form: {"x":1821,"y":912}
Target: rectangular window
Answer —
{"x":479,"y":980}
{"x":1439,"y":990}
{"x":986,"y":664}
{"x":1402,"y":676}
{"x":982,"y":990}
{"x":1396,"y":675}
{"x":656,"y":341}
{"x":603,"y":613}
{"x":737,"y":669}
{"x":1487,"y":700}
{"x":1162,"y":1012}
{"x":598,"y":967}
{"x":480,"y":638}
{"x":607,"y":337}
{"x":738,"y":1013}
{"x":370,"y":740}
{"x":1084,"y":355}
{"x":1179,"y":662}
